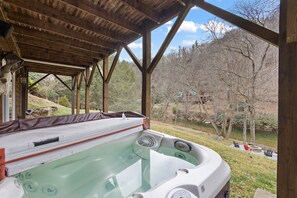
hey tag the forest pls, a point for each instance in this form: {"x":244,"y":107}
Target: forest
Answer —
{"x":228,"y":81}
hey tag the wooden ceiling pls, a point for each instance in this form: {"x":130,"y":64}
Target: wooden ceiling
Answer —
{"x":81,"y":32}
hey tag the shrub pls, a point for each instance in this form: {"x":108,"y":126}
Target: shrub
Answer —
{"x":64,"y":101}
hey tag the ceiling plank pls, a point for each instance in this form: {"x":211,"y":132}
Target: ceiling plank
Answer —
{"x":143,"y":9}
{"x":57,"y":38}
{"x":54,"y":46}
{"x":66,"y":18}
{"x":41,"y":51}
{"x":91,"y":8}
{"x":54,"y":58}
{"x":58,"y":29}
{"x":50,"y":69}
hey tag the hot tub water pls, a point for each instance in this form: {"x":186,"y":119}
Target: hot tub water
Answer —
{"x":112,"y":170}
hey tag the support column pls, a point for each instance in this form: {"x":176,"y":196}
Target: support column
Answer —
{"x":287,"y":136}
{"x":146,"y":76}
{"x":73,"y":83}
{"x":79,"y":81}
{"x":13,"y":97}
{"x":1,"y":108}
{"x":87,"y":91}
{"x":24,"y":92}
{"x":105,"y":84}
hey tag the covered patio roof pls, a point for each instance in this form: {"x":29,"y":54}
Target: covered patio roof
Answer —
{"x":80,"y":33}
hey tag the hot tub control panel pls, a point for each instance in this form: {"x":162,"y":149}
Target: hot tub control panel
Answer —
{"x":181,"y":193}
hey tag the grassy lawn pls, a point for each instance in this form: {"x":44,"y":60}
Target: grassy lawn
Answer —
{"x":262,"y":137}
{"x":249,"y":171}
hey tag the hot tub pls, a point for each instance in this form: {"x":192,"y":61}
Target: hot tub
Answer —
{"x":109,"y":158}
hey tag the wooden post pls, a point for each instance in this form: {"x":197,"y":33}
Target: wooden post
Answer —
{"x":87,"y":91}
{"x":146,"y":76}
{"x":73,"y":83}
{"x":287,"y":136}
{"x":23,"y":92}
{"x":1,"y":108}
{"x":105,"y":84}
{"x":79,"y":81}
{"x":18,"y":95}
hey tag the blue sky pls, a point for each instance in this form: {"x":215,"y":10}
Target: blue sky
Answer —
{"x":191,"y":30}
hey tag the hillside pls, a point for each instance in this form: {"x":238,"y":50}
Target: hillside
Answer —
{"x":35,"y":102}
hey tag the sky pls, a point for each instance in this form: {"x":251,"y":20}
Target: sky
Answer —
{"x":192,"y":29}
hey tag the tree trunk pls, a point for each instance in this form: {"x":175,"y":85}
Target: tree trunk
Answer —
{"x":252,"y":127}
{"x":244,"y":125}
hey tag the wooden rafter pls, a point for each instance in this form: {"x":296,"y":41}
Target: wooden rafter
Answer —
{"x":66,"y":18}
{"x":41,"y":43}
{"x":133,"y":57}
{"x":91,"y":75}
{"x":58,"y":39}
{"x":54,"y":58}
{"x":169,"y":38}
{"x":42,"y":68}
{"x":57,"y":29}
{"x":264,"y":33}
{"x":32,"y":50}
{"x":113,"y":65}
{"x":35,"y":83}
{"x":99,"y":70}
{"x":143,"y":9}
{"x":89,"y":7}
{"x":62,"y":82}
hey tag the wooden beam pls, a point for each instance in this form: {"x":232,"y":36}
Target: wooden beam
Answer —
{"x":143,"y":9}
{"x":41,"y":43}
{"x":113,"y":65}
{"x":87,"y":91}
{"x":57,"y":29}
{"x":73,"y":84}
{"x":93,"y":9}
{"x":66,"y":18}
{"x":146,"y":76}
{"x":1,"y":108}
{"x":55,"y":38}
{"x":62,"y":82}
{"x":105,"y":84}
{"x":38,"y":81}
{"x":100,"y":70}
{"x":133,"y":57}
{"x":169,"y":37}
{"x":287,"y":106}
{"x":257,"y":30}
{"x":91,"y":75}
{"x":51,"y":69}
{"x":33,"y":50}
{"x":53,"y":58}
{"x":79,"y":82}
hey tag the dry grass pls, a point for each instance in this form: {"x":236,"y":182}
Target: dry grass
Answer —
{"x":249,"y":171}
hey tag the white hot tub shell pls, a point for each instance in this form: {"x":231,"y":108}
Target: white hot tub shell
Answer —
{"x":207,"y":178}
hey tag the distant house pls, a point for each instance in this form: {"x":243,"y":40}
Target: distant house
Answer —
{"x":191,"y":97}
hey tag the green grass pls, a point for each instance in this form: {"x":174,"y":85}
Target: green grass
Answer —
{"x":268,"y":139}
{"x":249,"y":171}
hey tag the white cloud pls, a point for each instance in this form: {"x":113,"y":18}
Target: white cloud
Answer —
{"x":216,"y":26}
{"x":135,"y":45}
{"x":186,"y":26}
{"x":169,"y":23}
{"x":188,"y":42}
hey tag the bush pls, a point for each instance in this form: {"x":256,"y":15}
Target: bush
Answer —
{"x":64,"y":101}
